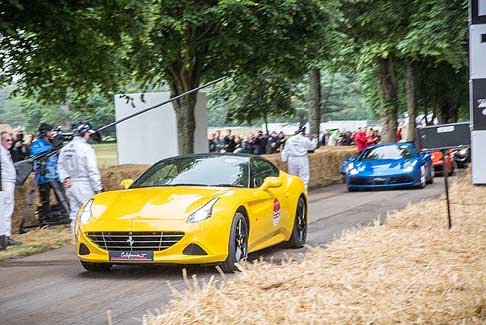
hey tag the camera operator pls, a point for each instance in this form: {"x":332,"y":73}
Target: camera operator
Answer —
{"x":47,"y":169}
{"x":78,"y":169}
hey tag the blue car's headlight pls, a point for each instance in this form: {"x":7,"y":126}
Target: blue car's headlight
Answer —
{"x":203,"y":212}
{"x":410,"y":167}
{"x":351,"y":169}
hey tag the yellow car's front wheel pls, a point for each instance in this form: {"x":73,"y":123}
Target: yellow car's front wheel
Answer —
{"x":238,"y":243}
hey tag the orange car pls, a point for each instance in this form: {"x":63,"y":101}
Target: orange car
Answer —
{"x":438,"y":163}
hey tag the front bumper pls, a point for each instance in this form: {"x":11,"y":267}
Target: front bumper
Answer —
{"x":209,"y":235}
{"x":385,"y":181}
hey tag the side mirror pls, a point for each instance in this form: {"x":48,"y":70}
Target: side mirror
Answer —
{"x":426,"y":156}
{"x":126,"y":183}
{"x":271,"y":182}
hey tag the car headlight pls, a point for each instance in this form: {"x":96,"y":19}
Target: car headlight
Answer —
{"x":350,"y":166}
{"x":85,"y":214}
{"x":353,"y":171}
{"x":410,"y":167}
{"x":203,"y":212}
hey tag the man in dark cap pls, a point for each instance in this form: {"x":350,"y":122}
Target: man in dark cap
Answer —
{"x":47,"y":169}
{"x":78,"y":169}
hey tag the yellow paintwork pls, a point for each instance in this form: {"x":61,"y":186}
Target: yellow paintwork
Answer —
{"x":167,"y":208}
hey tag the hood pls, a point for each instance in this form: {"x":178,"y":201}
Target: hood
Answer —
{"x":383,"y":167}
{"x":154,"y":203}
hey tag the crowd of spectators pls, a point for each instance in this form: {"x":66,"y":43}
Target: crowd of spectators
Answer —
{"x":256,"y":143}
{"x":361,"y":138}
{"x":259,"y":143}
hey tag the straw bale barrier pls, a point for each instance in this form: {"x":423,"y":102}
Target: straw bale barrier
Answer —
{"x":409,"y":270}
{"x":324,"y":164}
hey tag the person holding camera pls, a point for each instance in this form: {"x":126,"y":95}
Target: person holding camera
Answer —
{"x":78,"y":169}
{"x":47,"y":169}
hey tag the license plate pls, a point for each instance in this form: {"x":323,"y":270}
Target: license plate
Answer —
{"x":131,"y":256}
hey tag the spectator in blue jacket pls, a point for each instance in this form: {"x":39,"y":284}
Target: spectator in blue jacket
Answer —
{"x":46,"y":169}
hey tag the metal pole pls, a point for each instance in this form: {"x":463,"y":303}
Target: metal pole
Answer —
{"x":445,"y":153}
{"x":161,"y":104}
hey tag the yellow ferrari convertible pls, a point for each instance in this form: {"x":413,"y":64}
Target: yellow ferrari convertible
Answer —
{"x":195,"y":209}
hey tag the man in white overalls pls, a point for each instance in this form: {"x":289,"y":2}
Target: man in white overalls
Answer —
{"x":295,"y":153}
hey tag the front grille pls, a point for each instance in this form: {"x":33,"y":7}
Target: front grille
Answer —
{"x":133,"y":241}
{"x":400,"y":179}
{"x":381,"y":180}
{"x":438,"y":168}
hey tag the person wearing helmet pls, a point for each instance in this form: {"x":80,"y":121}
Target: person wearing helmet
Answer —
{"x":47,"y":168}
{"x":78,"y":169}
{"x":295,"y":153}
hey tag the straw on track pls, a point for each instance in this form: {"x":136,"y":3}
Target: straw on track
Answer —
{"x":412,"y":269}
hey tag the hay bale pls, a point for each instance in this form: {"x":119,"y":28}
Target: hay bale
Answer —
{"x":112,"y":176}
{"x":324,"y":164}
{"x":409,"y":270}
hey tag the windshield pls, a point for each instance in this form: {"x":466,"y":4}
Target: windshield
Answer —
{"x":387,"y":152}
{"x":197,"y":171}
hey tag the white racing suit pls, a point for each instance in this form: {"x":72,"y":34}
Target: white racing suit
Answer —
{"x":8,"y":177}
{"x":295,"y":152}
{"x":77,"y":161}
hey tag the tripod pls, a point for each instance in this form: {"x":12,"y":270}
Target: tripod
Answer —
{"x":58,"y":214}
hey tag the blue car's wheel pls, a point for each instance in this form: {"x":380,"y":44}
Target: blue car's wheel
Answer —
{"x":431,"y":175}
{"x":423,"y":177}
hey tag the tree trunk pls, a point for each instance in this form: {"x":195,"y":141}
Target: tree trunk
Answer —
{"x":314,"y":103}
{"x":265,"y":119}
{"x":411,"y":101}
{"x":66,"y":121}
{"x":186,"y":122}
{"x":328,"y":95}
{"x":389,"y":102}
{"x":182,"y":82}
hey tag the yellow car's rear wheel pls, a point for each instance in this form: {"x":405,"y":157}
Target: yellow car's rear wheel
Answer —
{"x":238,"y":243}
{"x":299,"y":231}
{"x":96,"y":267}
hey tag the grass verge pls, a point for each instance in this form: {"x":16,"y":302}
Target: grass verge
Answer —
{"x":412,"y":269}
{"x":37,"y":241}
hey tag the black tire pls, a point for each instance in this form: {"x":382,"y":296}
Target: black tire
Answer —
{"x":299,"y":230}
{"x":96,"y":267}
{"x":422,"y":183}
{"x":238,"y":243}
{"x":431,"y":175}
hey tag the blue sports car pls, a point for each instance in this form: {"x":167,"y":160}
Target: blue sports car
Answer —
{"x":388,"y":165}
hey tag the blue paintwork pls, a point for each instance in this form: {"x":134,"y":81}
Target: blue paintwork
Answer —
{"x":381,"y":171}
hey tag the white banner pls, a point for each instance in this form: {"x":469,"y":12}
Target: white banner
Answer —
{"x":482,"y":7}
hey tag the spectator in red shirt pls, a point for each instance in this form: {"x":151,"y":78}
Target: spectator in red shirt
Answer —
{"x":399,"y":134}
{"x":360,"y":140}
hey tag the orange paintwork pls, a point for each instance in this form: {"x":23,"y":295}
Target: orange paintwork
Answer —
{"x":437,"y":162}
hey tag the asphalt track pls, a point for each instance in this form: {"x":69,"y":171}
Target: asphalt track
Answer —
{"x":53,"y":288}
